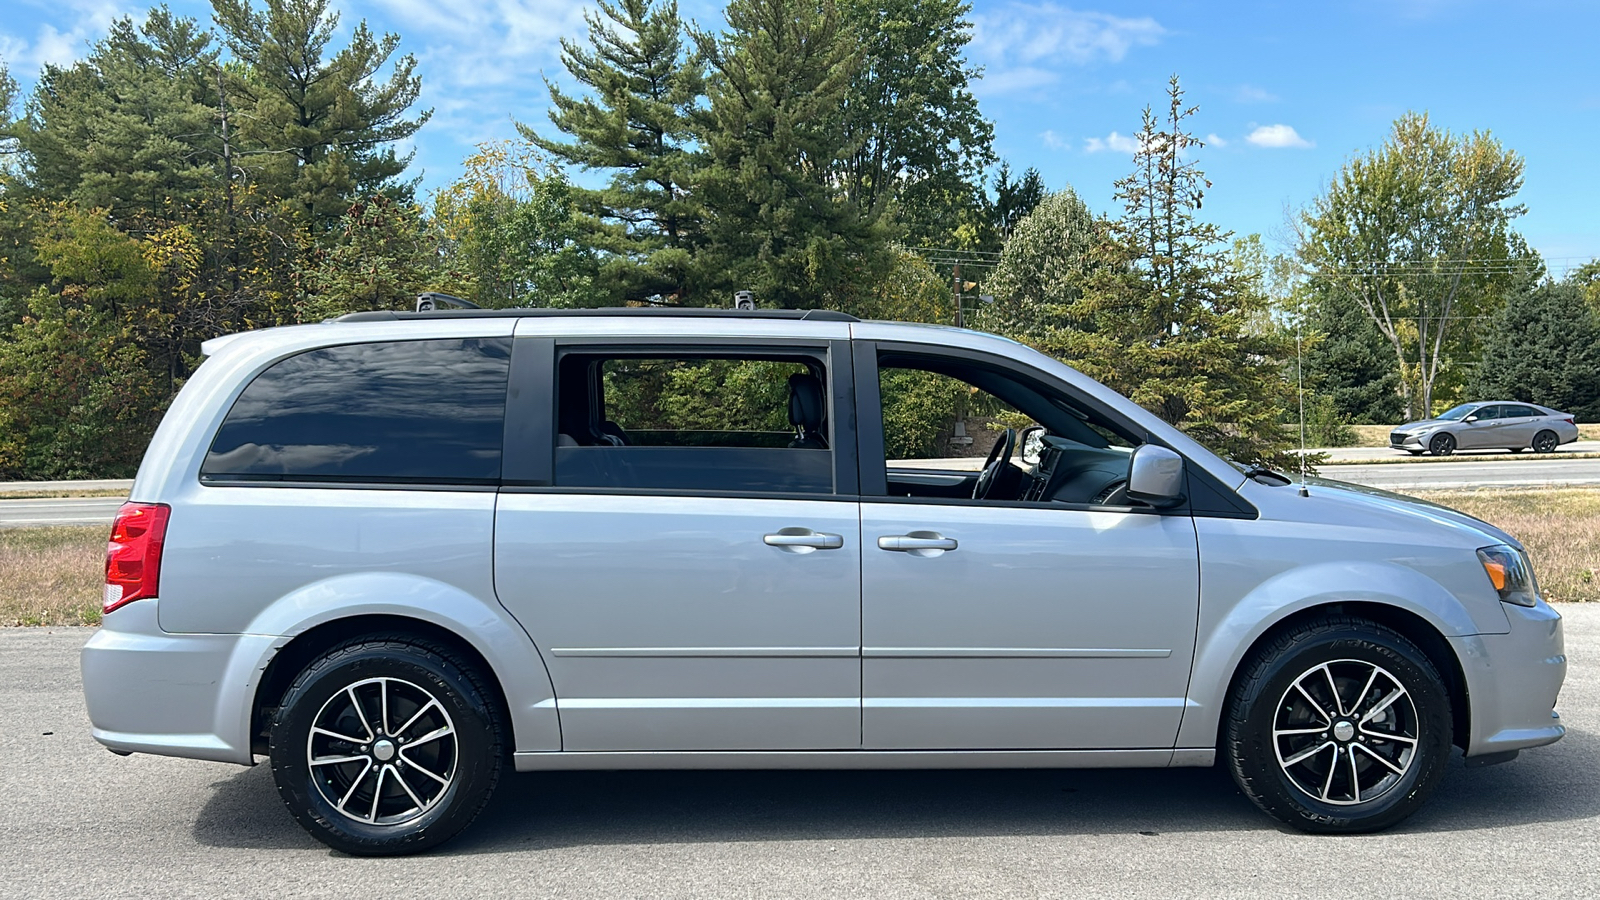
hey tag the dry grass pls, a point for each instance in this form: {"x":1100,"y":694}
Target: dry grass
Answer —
{"x":52,"y":576}
{"x":1372,"y":435}
{"x":1559,"y":526}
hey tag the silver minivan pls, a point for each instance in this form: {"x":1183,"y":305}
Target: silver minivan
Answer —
{"x":396,"y":553}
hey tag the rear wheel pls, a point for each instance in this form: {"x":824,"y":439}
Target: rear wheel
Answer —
{"x":1340,"y":726}
{"x":1546,"y":442}
{"x":1442,"y":445}
{"x":386,"y":746}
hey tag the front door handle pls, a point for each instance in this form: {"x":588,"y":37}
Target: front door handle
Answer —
{"x":802,"y":540}
{"x":917,"y":543}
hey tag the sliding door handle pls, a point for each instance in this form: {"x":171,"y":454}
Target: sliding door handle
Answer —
{"x":802,"y":540}
{"x":922,"y":543}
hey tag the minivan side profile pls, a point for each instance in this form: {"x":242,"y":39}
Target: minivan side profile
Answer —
{"x":395,"y":553}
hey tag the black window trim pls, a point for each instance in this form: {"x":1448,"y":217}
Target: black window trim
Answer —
{"x":833,"y":354}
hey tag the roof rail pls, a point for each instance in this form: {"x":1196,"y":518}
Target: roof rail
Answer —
{"x":672,"y":312}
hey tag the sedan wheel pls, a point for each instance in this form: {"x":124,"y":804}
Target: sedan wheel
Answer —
{"x":1546,"y":442}
{"x":387,"y":745}
{"x":1340,"y":726}
{"x":1442,"y":445}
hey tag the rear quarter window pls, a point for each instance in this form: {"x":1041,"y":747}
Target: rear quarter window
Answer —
{"x":404,"y":412}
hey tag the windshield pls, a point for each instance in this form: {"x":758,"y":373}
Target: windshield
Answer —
{"x":1459,"y":412}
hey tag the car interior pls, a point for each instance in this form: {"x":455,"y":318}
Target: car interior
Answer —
{"x":1068,"y":456}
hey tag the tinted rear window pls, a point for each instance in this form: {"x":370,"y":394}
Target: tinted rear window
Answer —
{"x":418,"y":412}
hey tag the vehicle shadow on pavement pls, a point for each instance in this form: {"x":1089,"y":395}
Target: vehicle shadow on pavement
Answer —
{"x":549,"y":810}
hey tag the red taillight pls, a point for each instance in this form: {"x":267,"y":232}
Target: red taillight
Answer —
{"x":1571,"y":420}
{"x":133,"y":557}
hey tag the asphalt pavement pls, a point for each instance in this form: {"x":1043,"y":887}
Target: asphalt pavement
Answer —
{"x":77,"y":821}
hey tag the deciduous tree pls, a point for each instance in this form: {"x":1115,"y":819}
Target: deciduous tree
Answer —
{"x":1417,"y":234}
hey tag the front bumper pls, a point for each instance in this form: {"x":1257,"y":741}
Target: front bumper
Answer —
{"x":1513,"y":680}
{"x":1411,"y":443}
{"x":171,"y":694}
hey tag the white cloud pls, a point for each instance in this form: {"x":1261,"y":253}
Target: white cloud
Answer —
{"x":1249,"y":93}
{"x":1039,"y":38}
{"x":87,"y":21}
{"x":1215,"y":140}
{"x":1052,"y":140}
{"x":1278,"y":136}
{"x":1119,"y":143}
{"x":1030,"y":32}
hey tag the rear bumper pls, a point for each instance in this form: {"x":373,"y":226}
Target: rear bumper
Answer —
{"x":149,"y":691}
{"x":1513,"y":680}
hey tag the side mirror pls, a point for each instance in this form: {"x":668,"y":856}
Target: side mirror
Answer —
{"x":1470,"y":419}
{"x":1155,"y":476}
{"x":1032,"y":442}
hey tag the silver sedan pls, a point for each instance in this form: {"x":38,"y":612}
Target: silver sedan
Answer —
{"x":1495,"y":425}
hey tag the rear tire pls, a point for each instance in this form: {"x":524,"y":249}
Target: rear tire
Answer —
{"x":1546,"y":442}
{"x":1340,"y":726}
{"x":1442,"y":445}
{"x":387,"y":745}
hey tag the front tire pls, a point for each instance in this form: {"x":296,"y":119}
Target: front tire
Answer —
{"x":1341,"y":726}
{"x":1442,"y":445}
{"x":386,"y":745}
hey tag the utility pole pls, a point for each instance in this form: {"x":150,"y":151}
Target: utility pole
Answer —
{"x":956,"y":287}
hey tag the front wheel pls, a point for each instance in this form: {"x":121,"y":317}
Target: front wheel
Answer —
{"x":386,"y":746}
{"x":1442,"y":445}
{"x":1340,"y":726}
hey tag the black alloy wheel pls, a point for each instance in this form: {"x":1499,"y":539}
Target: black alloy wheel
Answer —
{"x":1442,"y":444}
{"x":1340,"y":726}
{"x":1546,"y":442}
{"x":387,"y":745}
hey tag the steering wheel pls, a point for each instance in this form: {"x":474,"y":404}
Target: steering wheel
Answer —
{"x":999,"y":458}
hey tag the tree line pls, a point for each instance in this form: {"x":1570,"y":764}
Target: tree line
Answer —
{"x":188,"y":179}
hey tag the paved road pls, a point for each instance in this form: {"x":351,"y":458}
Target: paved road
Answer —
{"x":39,"y":487}
{"x":1446,"y":475}
{"x":79,"y":822}
{"x":65,"y":511}
{"x":1362,"y":454}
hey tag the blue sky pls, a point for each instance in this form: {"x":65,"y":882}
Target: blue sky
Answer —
{"x":1287,"y":90}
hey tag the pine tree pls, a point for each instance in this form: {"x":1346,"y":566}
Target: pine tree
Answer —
{"x":1350,"y":363}
{"x":645,"y":86}
{"x":915,"y":135}
{"x":1543,"y":347}
{"x":779,"y":222}
{"x":1168,"y":318}
{"x":1015,"y":200}
{"x":129,"y":128}
{"x":323,"y":122}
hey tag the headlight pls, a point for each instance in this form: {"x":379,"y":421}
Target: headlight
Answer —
{"x":1510,"y":573}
